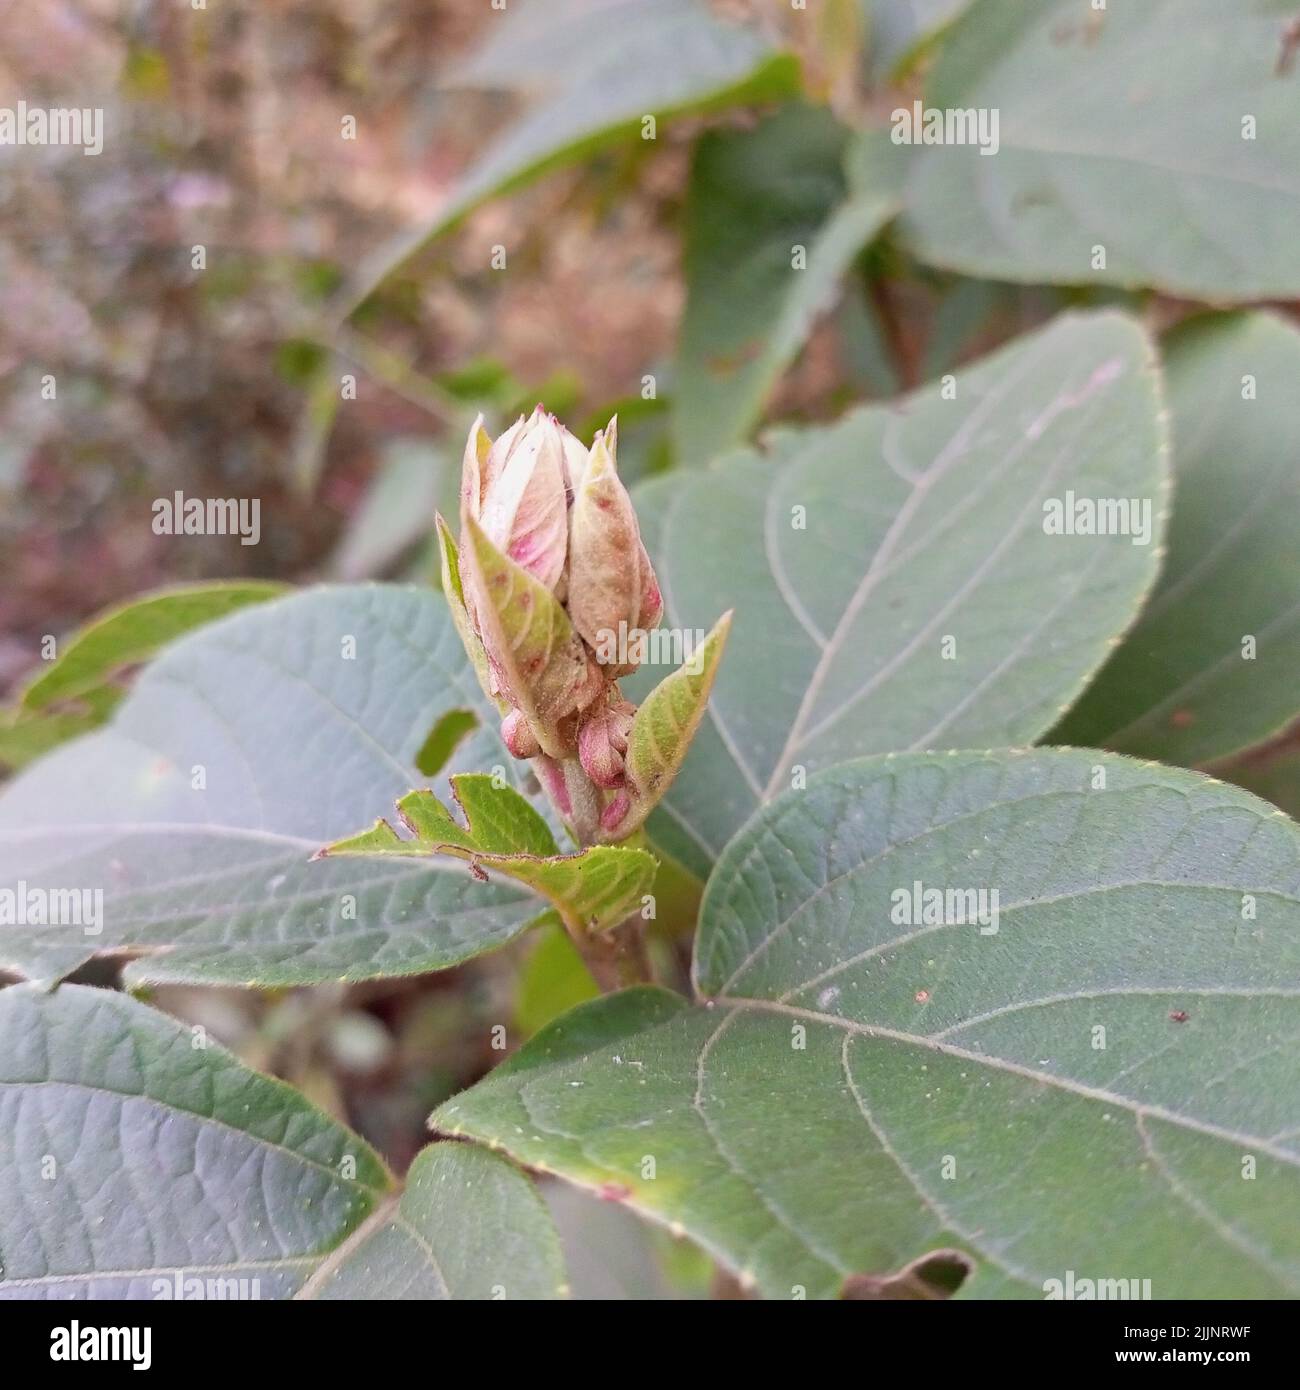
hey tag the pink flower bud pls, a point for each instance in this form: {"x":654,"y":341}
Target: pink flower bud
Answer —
{"x":518,"y":737}
{"x":612,"y":588}
{"x":602,"y":741}
{"x":522,"y":492}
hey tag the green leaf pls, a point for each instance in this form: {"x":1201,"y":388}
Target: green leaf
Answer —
{"x":1120,"y":129}
{"x":900,"y":31}
{"x":593,"y":889}
{"x":133,"y":1149}
{"x":467,"y":1226}
{"x":610,"y":1254}
{"x":859,"y":1086}
{"x":240,"y":751}
{"x":664,"y":725}
{"x":622,"y":61}
{"x":542,"y":658}
{"x":1187,"y":686}
{"x":453,"y":590}
{"x":851,"y":552}
{"x":86,"y":672}
{"x":136,"y":1157}
{"x":772,"y":225}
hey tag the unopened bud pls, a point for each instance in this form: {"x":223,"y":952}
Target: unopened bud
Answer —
{"x":602,"y":741}
{"x":523,"y":496}
{"x":518,"y":737}
{"x":612,"y":586}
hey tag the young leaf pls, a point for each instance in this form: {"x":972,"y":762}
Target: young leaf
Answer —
{"x":880,"y":567}
{"x":1212,"y":664}
{"x":595,"y":888}
{"x":137,"y":1157}
{"x":665,"y":724}
{"x":1093,"y":1071}
{"x":1153,"y":144}
{"x":772,"y":225}
{"x":542,"y":658}
{"x":240,"y":751}
{"x":453,"y":590}
{"x":468,"y":1225}
{"x":78,"y":690}
{"x":640,"y":60}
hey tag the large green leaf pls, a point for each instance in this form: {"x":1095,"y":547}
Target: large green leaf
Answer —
{"x":467,"y":1226}
{"x":1120,"y":128}
{"x":1214,"y":663}
{"x":137,"y":1157}
{"x":80,"y":688}
{"x":772,"y":224}
{"x":240,"y":751}
{"x":922,"y":521}
{"x":601,"y":67}
{"x":1104,"y":1082}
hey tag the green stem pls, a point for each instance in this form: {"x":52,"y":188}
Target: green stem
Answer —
{"x":616,"y":957}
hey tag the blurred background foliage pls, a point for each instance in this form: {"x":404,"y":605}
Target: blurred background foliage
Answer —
{"x":499,"y":230}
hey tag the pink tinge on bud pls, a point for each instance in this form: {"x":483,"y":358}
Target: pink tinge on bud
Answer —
{"x":518,"y":737}
{"x":552,"y":776}
{"x":652,"y":600}
{"x":611,"y":584}
{"x":615,"y":813}
{"x":525,"y":500}
{"x":602,"y":742}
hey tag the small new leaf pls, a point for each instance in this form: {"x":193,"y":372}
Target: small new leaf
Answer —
{"x":664,"y":726}
{"x":454,"y":591}
{"x":594,"y":889}
{"x":537,"y":655}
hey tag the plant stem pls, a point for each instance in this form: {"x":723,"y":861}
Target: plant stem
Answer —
{"x":616,"y":957}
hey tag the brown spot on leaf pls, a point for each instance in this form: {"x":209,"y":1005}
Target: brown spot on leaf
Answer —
{"x":1182,"y":718}
{"x":922,"y":996}
{"x":1179,"y":1016}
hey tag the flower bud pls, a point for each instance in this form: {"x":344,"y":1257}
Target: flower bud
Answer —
{"x":602,"y":739}
{"x":522,"y":494}
{"x":518,"y":737}
{"x":552,"y":593}
{"x":612,"y":588}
